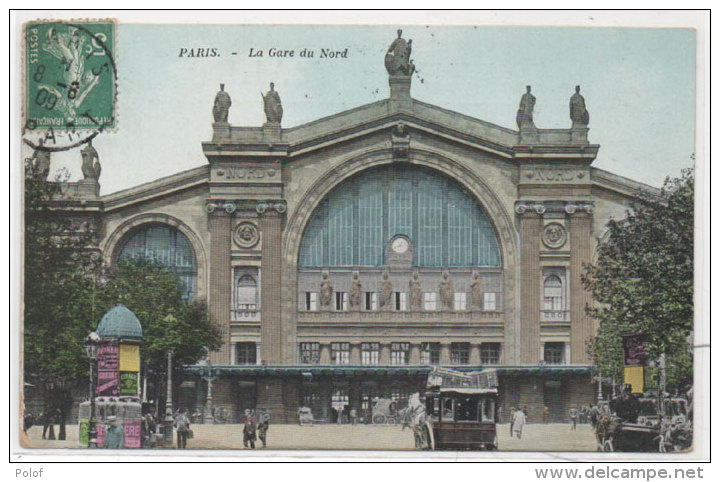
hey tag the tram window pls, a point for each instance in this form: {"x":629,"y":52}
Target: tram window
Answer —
{"x":447,"y":409}
{"x":488,"y":411}
{"x":466,"y":409}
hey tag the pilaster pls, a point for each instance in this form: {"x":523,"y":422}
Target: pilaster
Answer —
{"x":530,"y":286}
{"x":220,"y":277}
{"x":271,"y":289}
{"x":581,"y":328}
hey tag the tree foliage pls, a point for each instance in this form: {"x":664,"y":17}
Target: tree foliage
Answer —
{"x":67,"y":291}
{"x":643,"y":280}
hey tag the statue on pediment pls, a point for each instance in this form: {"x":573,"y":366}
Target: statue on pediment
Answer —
{"x":447,"y":292}
{"x":477,"y":291}
{"x":40,"y":162}
{"x":222,"y":104}
{"x":355,"y":292}
{"x":273,"y":105}
{"x":326,"y":291}
{"x":525,"y":110}
{"x":90,"y":162}
{"x":578,"y":112}
{"x":397,"y":58}
{"x":415,"y":293}
{"x":386,"y":292}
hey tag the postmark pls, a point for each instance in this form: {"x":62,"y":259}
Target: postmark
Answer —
{"x":70,"y":82}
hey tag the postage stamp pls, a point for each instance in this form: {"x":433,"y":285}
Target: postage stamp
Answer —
{"x":425,"y":240}
{"x":70,"y":75}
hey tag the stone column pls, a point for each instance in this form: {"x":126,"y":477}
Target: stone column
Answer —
{"x":355,"y":354}
{"x":384,"y":353}
{"x":220,"y":278}
{"x":271,"y":288}
{"x":444,"y":353}
{"x":474,"y":354}
{"x":324,"y":354}
{"x":414,"y":354}
{"x":530,"y":286}
{"x":581,"y":325}
{"x":233,"y":353}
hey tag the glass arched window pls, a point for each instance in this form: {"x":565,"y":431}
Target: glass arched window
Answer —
{"x":166,"y":246}
{"x":352,"y":225}
{"x":553,"y":299}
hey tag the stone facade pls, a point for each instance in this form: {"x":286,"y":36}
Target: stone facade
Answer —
{"x":244,"y":215}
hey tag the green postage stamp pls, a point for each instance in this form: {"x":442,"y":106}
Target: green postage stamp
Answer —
{"x":70,"y":75}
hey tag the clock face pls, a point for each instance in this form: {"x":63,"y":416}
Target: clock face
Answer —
{"x":400,"y":245}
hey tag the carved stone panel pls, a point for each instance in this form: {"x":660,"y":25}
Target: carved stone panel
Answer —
{"x":246,"y":235}
{"x":554,"y":235}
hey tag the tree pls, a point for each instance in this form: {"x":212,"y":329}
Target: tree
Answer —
{"x":59,"y":263}
{"x":168,"y":321}
{"x":66,"y":292}
{"x":643,"y":281}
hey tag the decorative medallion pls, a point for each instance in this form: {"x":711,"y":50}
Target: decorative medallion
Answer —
{"x":554,"y":235}
{"x":246,"y":235}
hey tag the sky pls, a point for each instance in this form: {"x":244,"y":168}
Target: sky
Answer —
{"x":638,"y":84}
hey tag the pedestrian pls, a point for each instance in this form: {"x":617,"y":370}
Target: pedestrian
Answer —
{"x":546,"y":414}
{"x":148,"y":429}
{"x":573,"y":418}
{"x":263,"y":425}
{"x":519,"y":419}
{"x":182,"y":426}
{"x":512,"y":419}
{"x":249,"y":430}
{"x":114,"y":437}
{"x":353,"y":416}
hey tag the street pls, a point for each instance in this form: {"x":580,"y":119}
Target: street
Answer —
{"x":537,"y":437}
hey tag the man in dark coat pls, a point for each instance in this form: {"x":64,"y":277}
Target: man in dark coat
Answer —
{"x":249,"y":431}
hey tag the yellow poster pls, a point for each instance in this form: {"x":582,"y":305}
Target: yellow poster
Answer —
{"x":633,"y":376}
{"x":129,"y":358}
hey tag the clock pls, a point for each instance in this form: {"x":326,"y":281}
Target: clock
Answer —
{"x":400,"y":245}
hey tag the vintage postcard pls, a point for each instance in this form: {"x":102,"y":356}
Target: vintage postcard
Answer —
{"x":398,"y":238}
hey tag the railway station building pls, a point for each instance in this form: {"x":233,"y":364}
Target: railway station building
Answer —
{"x":344,"y":257}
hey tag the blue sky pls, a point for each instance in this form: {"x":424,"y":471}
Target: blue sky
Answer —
{"x":639,"y":86}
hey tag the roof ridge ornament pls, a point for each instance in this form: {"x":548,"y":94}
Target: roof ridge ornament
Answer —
{"x":400,"y":67}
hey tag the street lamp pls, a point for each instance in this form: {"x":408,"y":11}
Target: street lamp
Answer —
{"x":208,"y":416}
{"x":91,"y":348}
{"x":168,"y":421}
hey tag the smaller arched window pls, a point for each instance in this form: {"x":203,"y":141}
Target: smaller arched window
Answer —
{"x":553,"y":299}
{"x":165,"y":246}
{"x":246,"y":293}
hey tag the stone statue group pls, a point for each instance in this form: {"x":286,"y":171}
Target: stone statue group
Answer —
{"x":578,"y":112}
{"x":39,"y":163}
{"x":271,"y":100}
{"x":445,"y":289}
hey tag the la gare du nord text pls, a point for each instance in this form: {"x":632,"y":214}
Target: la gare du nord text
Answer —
{"x":273,"y":52}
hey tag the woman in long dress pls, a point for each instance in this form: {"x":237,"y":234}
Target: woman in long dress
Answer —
{"x":519,"y":422}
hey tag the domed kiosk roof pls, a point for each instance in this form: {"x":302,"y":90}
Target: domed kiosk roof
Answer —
{"x":121,"y":323}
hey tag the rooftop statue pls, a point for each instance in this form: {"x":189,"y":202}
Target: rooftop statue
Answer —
{"x":525,"y":111}
{"x":40,"y":162}
{"x":273,"y":106}
{"x":397,"y":58}
{"x":222,"y":104}
{"x":90,"y":162}
{"x":578,"y":113}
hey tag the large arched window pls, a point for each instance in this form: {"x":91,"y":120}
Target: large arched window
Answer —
{"x":352,"y":225}
{"x":166,"y":246}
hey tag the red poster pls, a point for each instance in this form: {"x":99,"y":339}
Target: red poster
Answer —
{"x":131,"y":430}
{"x":108,"y":380}
{"x":634,"y":350}
{"x":100,"y":438}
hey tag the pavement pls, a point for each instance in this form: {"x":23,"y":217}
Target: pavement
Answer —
{"x":536,"y":438}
